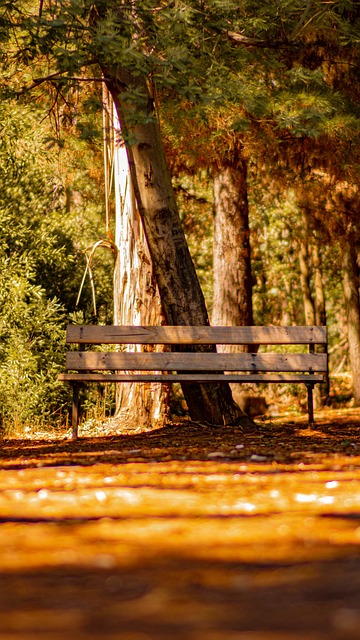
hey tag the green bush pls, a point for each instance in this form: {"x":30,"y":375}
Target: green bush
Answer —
{"x":42,"y":263}
{"x":31,"y":349}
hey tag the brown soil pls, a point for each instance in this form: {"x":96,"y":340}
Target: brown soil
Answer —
{"x":184,"y":533}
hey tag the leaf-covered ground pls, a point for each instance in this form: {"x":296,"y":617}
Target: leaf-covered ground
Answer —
{"x":188,"y":532}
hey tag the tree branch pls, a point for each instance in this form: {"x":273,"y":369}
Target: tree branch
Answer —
{"x":57,"y":77}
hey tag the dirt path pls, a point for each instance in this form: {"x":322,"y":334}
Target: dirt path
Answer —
{"x":186,"y":533}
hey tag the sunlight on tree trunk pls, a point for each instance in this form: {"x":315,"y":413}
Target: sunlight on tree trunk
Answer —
{"x":181,"y":296}
{"x":136,"y":298}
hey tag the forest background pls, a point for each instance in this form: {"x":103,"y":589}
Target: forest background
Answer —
{"x":258,"y":104}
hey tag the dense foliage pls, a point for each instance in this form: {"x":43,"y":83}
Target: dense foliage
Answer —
{"x":41,"y":267}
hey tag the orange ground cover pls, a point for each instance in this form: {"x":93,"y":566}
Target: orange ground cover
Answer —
{"x":184,"y":533}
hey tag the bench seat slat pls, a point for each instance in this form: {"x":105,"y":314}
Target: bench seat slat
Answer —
{"x":186,"y":361}
{"x":109,"y":334}
{"x":198,"y":377}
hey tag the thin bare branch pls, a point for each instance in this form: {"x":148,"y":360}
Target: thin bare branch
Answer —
{"x":240,"y":39}
{"x":58,"y":76}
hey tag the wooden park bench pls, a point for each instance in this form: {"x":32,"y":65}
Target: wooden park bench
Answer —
{"x":189,"y":366}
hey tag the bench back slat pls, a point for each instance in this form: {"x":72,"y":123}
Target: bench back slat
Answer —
{"x":94,"y":334}
{"x":125,"y":361}
{"x":192,"y":377}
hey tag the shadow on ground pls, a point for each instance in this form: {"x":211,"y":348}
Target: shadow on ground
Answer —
{"x":184,"y":533}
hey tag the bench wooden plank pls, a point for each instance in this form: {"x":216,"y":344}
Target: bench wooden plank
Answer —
{"x":196,"y":377}
{"x":186,"y":361}
{"x":109,"y":334}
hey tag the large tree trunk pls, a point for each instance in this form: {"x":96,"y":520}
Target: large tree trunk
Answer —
{"x":352,"y":306}
{"x":136,"y":299}
{"x":181,"y":296}
{"x":232,"y":304}
{"x":232,"y":266}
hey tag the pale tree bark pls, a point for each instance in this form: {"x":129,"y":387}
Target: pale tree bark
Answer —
{"x":181,"y":296}
{"x":352,"y":306}
{"x":136,"y":298}
{"x":232,"y":263}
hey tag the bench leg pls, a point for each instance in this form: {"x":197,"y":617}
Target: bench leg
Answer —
{"x":75,"y":410}
{"x":310,"y":388}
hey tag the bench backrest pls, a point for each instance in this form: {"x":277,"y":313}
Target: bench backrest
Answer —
{"x":270,"y":335}
{"x":195,"y":361}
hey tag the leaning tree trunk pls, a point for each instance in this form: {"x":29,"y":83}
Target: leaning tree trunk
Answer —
{"x":352,"y":306}
{"x":181,"y":296}
{"x":136,"y":298}
{"x":232,"y":266}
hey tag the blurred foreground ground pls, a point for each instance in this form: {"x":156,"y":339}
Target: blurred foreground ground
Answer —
{"x":185,"y":533}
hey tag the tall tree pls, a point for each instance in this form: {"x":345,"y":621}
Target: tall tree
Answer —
{"x":136,"y":297}
{"x":181,"y":296}
{"x":232,"y":264}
